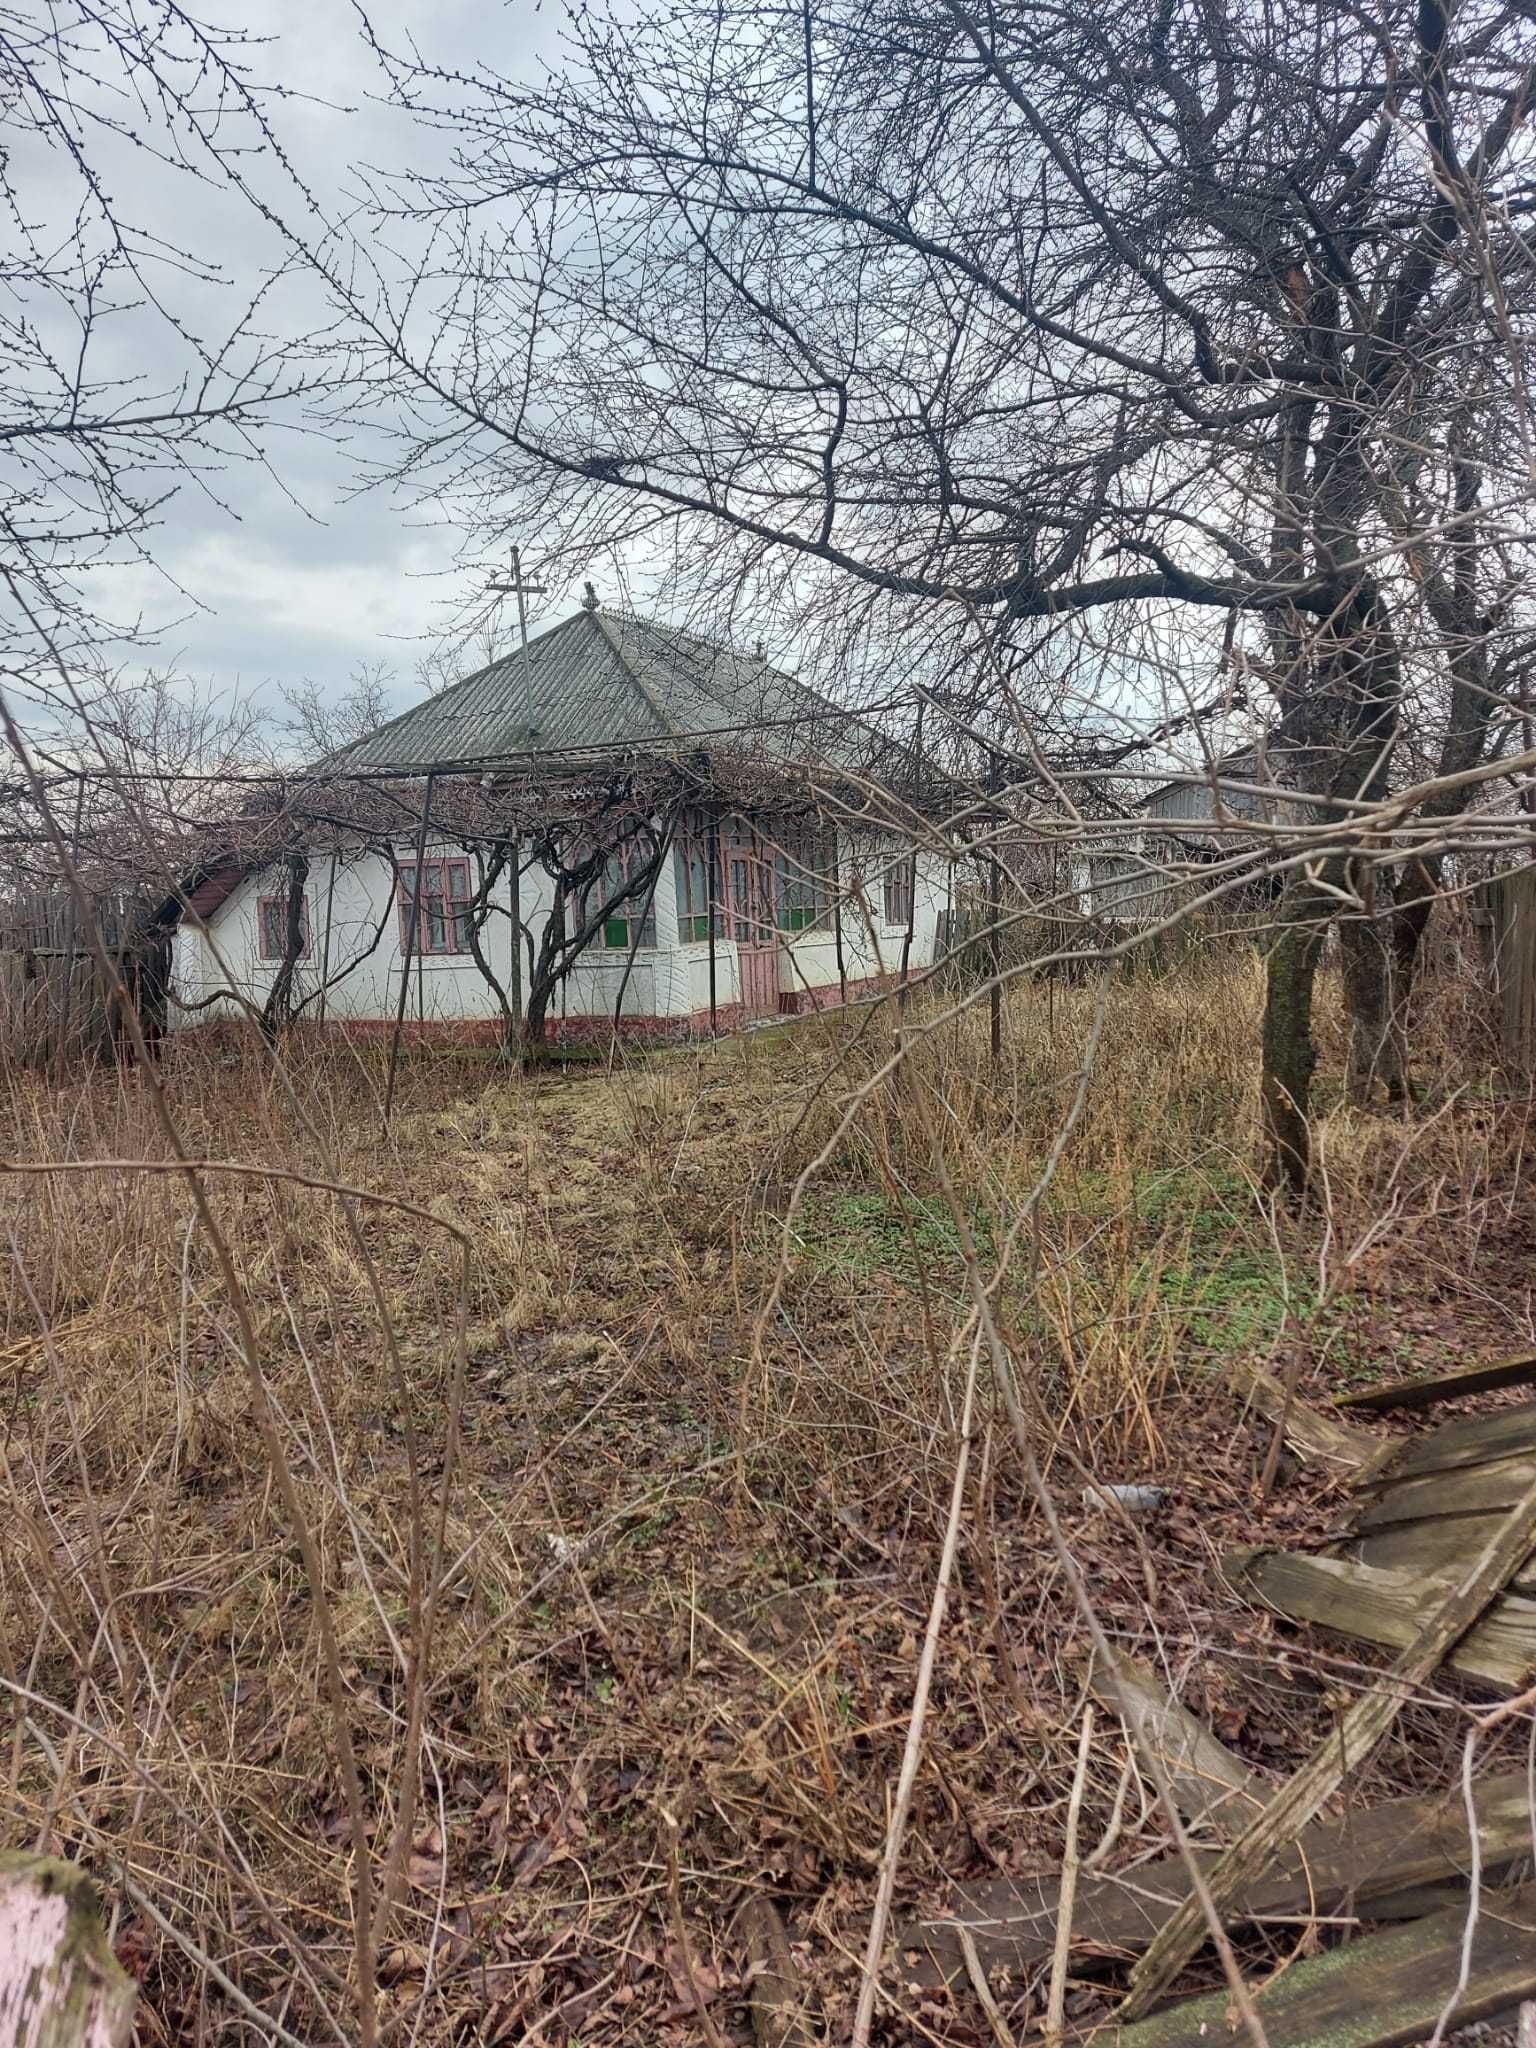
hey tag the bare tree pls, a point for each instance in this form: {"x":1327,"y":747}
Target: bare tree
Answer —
{"x":319,"y":724}
{"x":124,"y":371}
{"x":601,"y":869}
{"x":1139,"y":350}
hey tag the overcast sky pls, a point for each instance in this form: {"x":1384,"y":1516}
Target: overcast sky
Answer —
{"x":297,"y":574}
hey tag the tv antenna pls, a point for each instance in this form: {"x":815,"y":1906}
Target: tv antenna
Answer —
{"x":523,"y":592}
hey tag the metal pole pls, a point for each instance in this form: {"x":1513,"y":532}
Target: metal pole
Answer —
{"x":517,"y":938}
{"x":522,"y":628}
{"x":410,"y":949}
{"x":712,"y":889}
{"x":517,"y":878}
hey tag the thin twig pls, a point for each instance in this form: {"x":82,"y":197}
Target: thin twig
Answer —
{"x":912,"y":1755}
{"x":1002,"y":2033}
{"x":680,"y":1930}
{"x":1056,"y":1998}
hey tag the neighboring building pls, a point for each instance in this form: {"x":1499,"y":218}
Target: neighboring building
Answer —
{"x":759,"y":902}
{"x":1189,"y":823}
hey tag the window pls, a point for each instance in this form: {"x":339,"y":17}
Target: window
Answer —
{"x":443,"y":925}
{"x":691,"y":864}
{"x":898,"y":893}
{"x":804,"y":866}
{"x":619,"y":930}
{"x":272,"y":926}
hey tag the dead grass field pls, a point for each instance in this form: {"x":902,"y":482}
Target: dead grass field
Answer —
{"x":624,"y":1462}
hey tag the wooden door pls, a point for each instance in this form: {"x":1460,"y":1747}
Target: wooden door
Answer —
{"x":747,"y":870}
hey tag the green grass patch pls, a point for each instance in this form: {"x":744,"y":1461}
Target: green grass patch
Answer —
{"x":1190,"y":1236}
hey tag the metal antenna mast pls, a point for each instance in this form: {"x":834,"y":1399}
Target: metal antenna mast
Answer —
{"x":523,"y":592}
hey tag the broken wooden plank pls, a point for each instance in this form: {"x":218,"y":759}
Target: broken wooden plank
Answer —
{"x":1384,"y":1992}
{"x":1308,"y":1432}
{"x":1452,"y":1607}
{"x":1372,"y":1861}
{"x":1211,"y":1786}
{"x":1380,"y":1606}
{"x":1483,"y":1489}
{"x":1433,"y":1547}
{"x":60,"y":1984}
{"x":1391,"y":1395}
{"x":1469,"y":1440}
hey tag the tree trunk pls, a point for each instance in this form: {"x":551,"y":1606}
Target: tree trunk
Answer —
{"x":277,"y":1012}
{"x":1289,"y":1054}
{"x":546,"y":975}
{"x":1373,"y":999}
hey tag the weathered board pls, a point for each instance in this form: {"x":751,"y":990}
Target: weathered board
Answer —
{"x":1393,"y":1395}
{"x":1211,"y":1787}
{"x":1309,"y":1432}
{"x":1375,"y":1855}
{"x":1469,"y":1440}
{"x":1382,"y":1606}
{"x":1478,"y":1490}
{"x":1384,"y":1992}
{"x":1434,"y":1546}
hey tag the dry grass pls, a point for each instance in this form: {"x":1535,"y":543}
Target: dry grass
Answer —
{"x":691,"y":1521}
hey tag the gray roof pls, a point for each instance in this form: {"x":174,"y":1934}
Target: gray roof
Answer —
{"x":601,"y":681}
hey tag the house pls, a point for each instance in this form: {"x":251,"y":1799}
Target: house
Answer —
{"x":628,"y":826}
{"x":1190,"y":833}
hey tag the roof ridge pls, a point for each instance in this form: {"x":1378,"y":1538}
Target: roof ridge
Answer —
{"x":812,"y":704}
{"x":632,"y":676}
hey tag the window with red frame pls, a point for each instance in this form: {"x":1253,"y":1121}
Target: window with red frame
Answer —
{"x":443,"y":925}
{"x":272,"y":926}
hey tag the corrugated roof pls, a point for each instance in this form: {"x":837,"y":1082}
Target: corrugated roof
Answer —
{"x":600,"y":680}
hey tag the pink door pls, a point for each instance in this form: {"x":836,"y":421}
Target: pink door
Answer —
{"x":759,"y":967}
{"x":749,"y":918}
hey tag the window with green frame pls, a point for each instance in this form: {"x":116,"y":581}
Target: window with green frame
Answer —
{"x":805,"y":869}
{"x":619,"y":930}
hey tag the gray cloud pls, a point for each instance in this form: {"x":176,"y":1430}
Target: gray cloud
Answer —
{"x":268,"y":578}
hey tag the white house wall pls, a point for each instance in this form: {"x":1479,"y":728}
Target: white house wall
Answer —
{"x":222,"y":959}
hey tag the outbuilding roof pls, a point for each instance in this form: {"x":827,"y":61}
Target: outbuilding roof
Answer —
{"x":602,"y":681}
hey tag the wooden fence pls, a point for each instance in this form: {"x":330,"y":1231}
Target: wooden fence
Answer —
{"x":1510,"y":904}
{"x":57,"y":1001}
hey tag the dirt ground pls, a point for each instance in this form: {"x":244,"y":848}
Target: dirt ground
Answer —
{"x":693,"y":1521}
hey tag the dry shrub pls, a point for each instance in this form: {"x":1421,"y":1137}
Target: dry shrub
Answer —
{"x":691,"y":1391}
